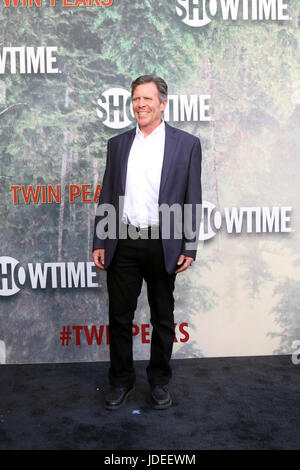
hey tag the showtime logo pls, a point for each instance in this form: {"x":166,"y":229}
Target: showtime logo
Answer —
{"x":197,"y":13}
{"x":80,"y":275}
{"x":28,"y":60}
{"x":115,"y":108}
{"x":244,"y":220}
{"x":42,"y":275}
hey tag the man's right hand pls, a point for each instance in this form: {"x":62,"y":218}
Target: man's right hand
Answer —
{"x":98,"y":258}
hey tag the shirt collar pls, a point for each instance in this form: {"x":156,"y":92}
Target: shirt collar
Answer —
{"x":158,"y":129}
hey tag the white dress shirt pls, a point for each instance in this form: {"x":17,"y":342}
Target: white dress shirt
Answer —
{"x":143,"y":178}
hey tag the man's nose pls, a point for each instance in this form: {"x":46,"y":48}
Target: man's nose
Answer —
{"x":141,"y":103}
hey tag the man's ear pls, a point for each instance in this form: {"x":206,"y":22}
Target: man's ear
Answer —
{"x":163,"y":105}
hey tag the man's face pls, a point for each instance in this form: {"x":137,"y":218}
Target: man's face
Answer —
{"x":147,"y":107}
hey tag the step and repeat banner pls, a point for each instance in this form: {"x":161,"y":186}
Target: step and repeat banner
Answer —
{"x":232,"y":67}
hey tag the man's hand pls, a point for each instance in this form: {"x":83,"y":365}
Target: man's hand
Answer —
{"x":186,"y":260}
{"x":98,"y":258}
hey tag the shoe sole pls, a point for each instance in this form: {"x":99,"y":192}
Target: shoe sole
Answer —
{"x":165,"y":406}
{"x":116,"y":407}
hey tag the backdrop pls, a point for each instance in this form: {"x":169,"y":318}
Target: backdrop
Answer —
{"x":232,"y":67}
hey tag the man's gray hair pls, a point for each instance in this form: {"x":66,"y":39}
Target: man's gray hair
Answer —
{"x":159,"y":82}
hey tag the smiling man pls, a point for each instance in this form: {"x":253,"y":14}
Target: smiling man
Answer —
{"x":148,"y":106}
{"x":150,"y":166}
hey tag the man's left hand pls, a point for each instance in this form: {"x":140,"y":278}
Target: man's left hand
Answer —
{"x":186,"y":260}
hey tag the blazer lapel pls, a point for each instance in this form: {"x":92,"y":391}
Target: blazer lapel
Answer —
{"x":125,"y":154}
{"x":169,"y":155}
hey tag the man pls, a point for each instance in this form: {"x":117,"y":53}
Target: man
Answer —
{"x":149,"y":167}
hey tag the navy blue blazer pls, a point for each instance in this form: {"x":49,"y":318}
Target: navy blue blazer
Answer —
{"x":180,"y":184}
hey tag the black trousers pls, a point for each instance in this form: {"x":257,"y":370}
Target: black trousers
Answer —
{"x":133,"y":262}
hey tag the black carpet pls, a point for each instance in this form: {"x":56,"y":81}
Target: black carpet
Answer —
{"x":243,"y":403}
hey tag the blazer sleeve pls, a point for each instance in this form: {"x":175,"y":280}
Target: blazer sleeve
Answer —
{"x":105,"y":197}
{"x":193,"y":203}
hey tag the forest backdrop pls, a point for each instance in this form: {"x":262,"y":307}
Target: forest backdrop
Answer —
{"x":65,"y":75}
